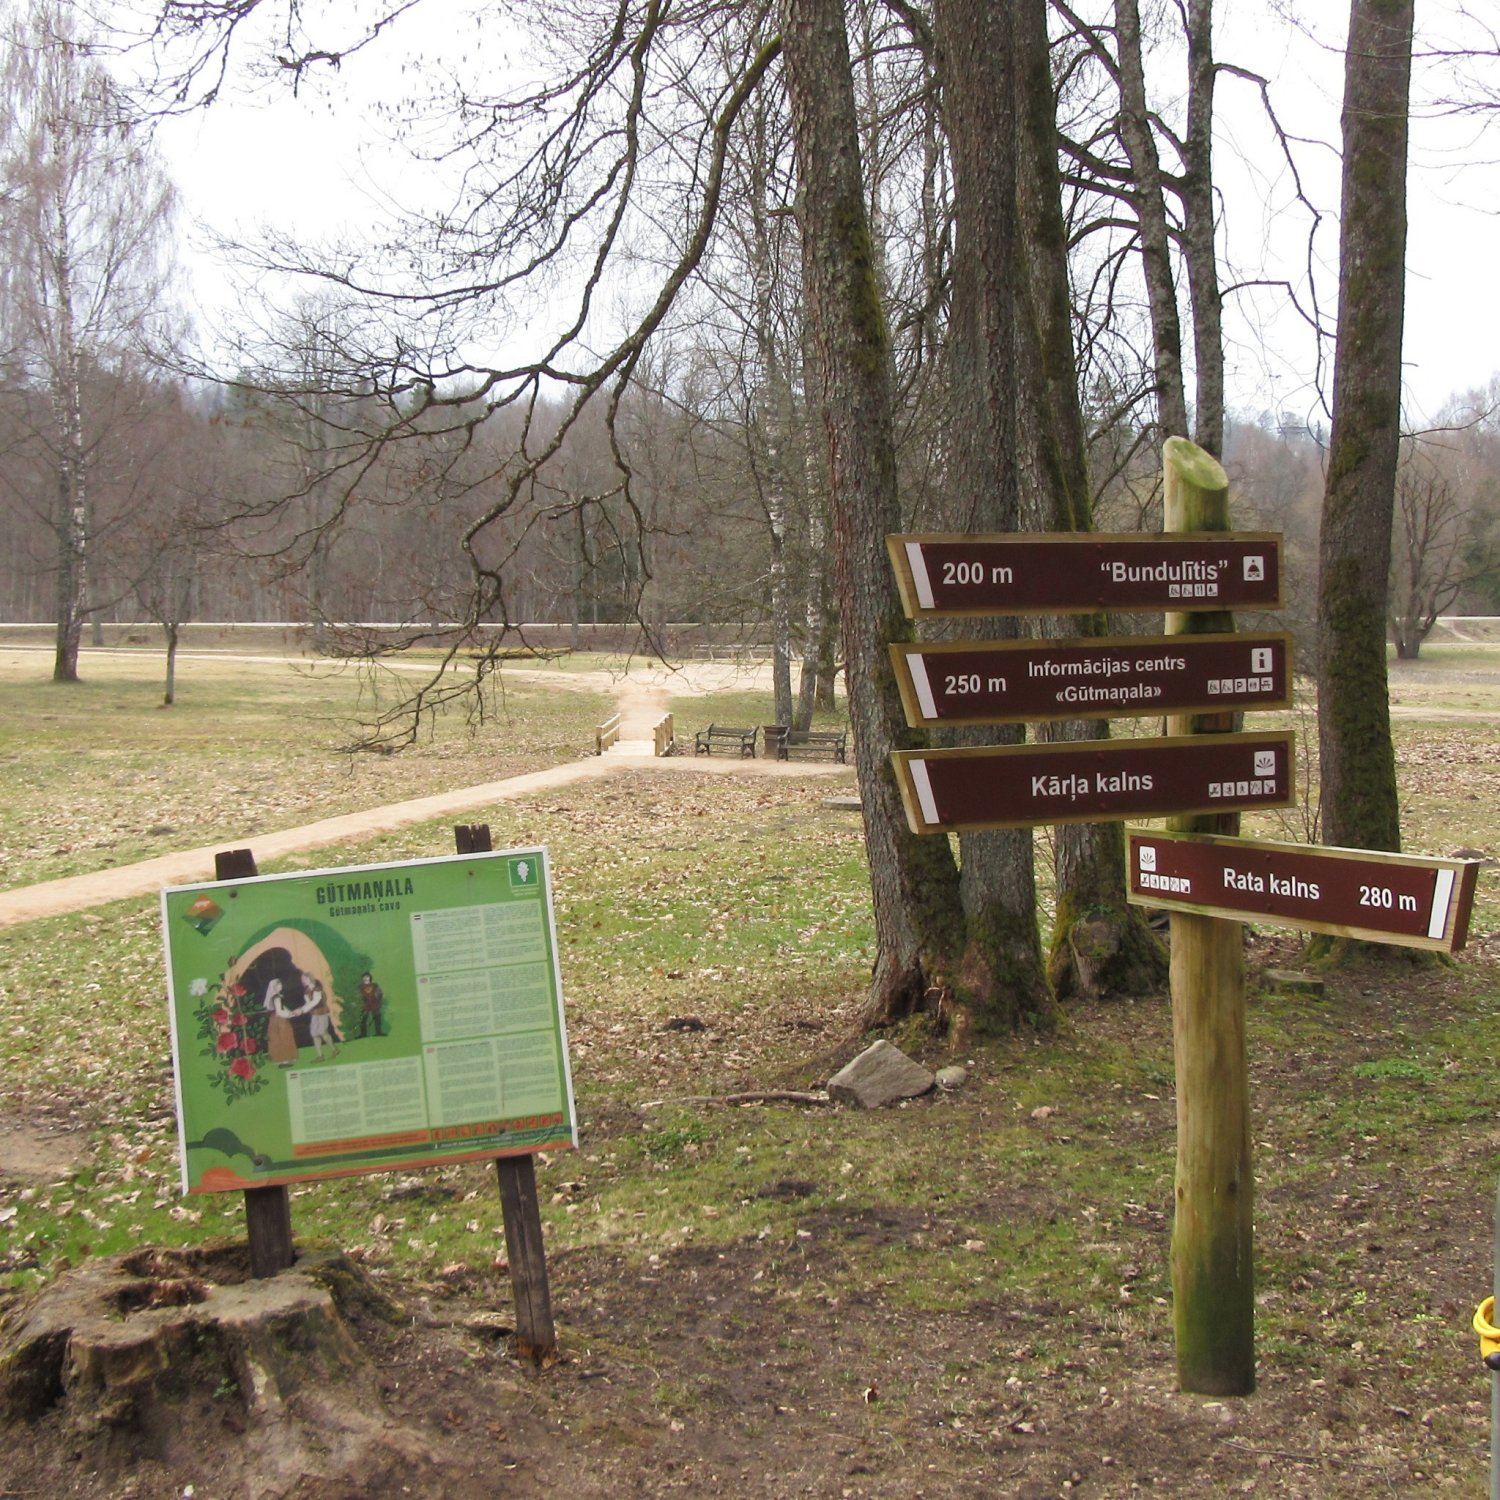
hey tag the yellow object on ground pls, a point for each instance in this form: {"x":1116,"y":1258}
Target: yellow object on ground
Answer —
{"x":1489,"y":1335}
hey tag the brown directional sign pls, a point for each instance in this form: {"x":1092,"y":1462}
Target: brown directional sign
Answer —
{"x":1090,"y":781}
{"x":1065,"y":572}
{"x":1360,"y":893}
{"x":998,"y":682}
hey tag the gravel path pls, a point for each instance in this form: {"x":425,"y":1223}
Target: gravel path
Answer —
{"x":641,"y":697}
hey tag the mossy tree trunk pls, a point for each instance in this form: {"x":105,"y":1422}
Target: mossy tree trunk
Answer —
{"x":1101,"y":945}
{"x":1357,"y":761}
{"x":1002,"y":979}
{"x":914,"y":880}
{"x":1213,"y":1273}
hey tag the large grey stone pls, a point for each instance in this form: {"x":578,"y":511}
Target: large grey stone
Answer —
{"x":880,"y":1075}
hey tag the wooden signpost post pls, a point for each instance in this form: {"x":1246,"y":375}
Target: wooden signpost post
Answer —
{"x":520,"y":1208}
{"x":1200,"y":776}
{"x":1213,"y":1266}
{"x":268,"y":1210}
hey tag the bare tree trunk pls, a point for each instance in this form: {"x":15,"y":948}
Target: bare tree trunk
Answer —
{"x":913,"y":880}
{"x":1358,"y":771}
{"x":781,"y":611}
{"x":871,"y":143}
{"x":934,"y":164}
{"x":1151,"y":213}
{"x":817,"y":624}
{"x":1002,"y":979}
{"x":172,"y":633}
{"x":1101,"y":945}
{"x":1198,"y":233}
{"x":72,"y":482}
{"x":775,"y":425}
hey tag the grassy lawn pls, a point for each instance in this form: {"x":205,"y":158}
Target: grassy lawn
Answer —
{"x":1023,"y":1219}
{"x":100,"y":773}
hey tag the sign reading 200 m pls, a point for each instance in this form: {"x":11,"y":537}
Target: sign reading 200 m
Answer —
{"x":362,"y":1019}
{"x":1067,"y":572}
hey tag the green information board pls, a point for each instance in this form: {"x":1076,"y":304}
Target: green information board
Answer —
{"x":363,"y":1019}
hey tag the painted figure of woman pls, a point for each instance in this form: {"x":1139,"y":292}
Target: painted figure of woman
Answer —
{"x":281,"y":1039}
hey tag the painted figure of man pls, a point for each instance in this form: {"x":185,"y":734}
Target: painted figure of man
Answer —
{"x":371,"y":1001}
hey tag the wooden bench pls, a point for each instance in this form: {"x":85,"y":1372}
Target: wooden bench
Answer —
{"x":830,"y":742}
{"x":722,"y":734}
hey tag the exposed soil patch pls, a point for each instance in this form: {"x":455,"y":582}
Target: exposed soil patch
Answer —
{"x":793,"y":1363}
{"x":875,"y":1339}
{"x":37,"y":1152}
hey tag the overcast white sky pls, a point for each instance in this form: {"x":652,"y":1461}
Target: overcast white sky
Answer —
{"x":312,"y":164}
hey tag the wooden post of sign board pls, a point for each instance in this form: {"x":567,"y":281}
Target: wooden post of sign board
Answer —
{"x":268,"y":1210}
{"x":1213,"y":1285}
{"x":536,"y":1336}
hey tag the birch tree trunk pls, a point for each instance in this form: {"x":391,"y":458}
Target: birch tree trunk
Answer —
{"x":1198,"y":233}
{"x":72,"y":477}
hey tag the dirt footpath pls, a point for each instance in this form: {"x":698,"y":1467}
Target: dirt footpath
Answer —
{"x":641,"y":697}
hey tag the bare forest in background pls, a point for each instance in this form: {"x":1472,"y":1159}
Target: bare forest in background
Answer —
{"x":202,"y":475}
{"x":320,"y":482}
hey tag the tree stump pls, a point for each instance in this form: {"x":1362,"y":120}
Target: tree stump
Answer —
{"x":175,"y":1356}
